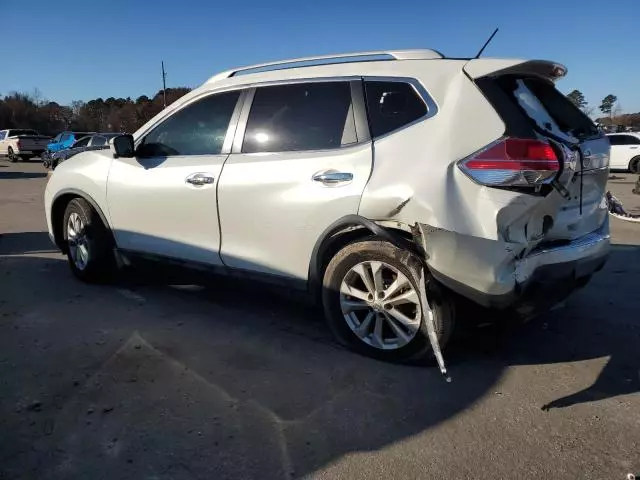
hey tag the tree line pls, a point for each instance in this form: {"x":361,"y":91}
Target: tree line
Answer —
{"x":30,"y":110}
{"x":610,"y":109}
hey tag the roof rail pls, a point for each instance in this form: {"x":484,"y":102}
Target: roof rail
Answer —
{"x":412,"y":54}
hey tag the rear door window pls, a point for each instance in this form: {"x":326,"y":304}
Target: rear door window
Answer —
{"x":545,"y":106}
{"x":392,"y":105}
{"x":299,"y":117}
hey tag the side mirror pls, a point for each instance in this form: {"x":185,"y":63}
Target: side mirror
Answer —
{"x":122,"y":146}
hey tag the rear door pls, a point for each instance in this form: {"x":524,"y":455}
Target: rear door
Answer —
{"x":300,"y":161}
{"x":531,"y":106}
{"x":618,"y":152}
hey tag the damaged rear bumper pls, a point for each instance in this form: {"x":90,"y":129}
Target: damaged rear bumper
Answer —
{"x":545,"y":275}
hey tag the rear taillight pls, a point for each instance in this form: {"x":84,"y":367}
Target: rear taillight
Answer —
{"x":18,"y":144}
{"x":513,"y":162}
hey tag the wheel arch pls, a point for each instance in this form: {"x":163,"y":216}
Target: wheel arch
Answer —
{"x":347,"y":230}
{"x":58,"y":207}
{"x":635,"y":161}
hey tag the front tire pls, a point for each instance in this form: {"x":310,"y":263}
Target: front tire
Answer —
{"x":89,"y":243}
{"x":372,"y":303}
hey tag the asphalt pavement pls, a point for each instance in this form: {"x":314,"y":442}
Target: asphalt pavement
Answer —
{"x":144,"y":380}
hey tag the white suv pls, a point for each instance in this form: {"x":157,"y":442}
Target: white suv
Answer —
{"x":625,"y":151}
{"x":346,"y":176}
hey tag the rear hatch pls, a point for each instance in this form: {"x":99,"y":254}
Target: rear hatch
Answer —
{"x":526,"y":99}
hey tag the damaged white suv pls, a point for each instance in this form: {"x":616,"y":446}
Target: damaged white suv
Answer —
{"x":352,"y":176}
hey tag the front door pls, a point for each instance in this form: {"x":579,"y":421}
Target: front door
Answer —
{"x":163,"y":201}
{"x":300,"y":165}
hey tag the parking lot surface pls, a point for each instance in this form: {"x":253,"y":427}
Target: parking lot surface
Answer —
{"x":145,"y":380}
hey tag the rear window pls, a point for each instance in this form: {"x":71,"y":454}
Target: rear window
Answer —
{"x":547,"y":108}
{"x":15,"y":133}
{"x":83,"y":142}
{"x":392,"y":105}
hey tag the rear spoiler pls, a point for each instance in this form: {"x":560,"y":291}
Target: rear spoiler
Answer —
{"x":483,"y":67}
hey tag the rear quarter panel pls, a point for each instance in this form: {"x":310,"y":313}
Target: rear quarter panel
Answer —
{"x":415,"y":178}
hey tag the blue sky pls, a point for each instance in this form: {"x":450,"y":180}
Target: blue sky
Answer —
{"x":72,"y":50}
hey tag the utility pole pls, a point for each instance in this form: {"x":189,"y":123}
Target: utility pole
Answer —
{"x":164,"y":86}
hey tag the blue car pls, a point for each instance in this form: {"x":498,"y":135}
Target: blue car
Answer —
{"x":98,"y":141}
{"x":64,"y":140}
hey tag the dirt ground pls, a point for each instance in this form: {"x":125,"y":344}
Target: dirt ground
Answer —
{"x":150,"y":381}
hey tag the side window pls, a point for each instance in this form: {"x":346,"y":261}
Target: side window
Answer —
{"x":392,"y":105}
{"x":615,"y":139}
{"x":98,"y":141}
{"x":297,"y":117}
{"x":198,"y":129}
{"x":83,"y":142}
{"x":629,"y":140}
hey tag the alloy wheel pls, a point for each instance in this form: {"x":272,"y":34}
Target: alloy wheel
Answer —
{"x":380,"y":305}
{"x":78,"y":241}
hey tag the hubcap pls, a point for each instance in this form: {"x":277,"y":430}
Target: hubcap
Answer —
{"x":380,"y":305}
{"x":78,"y":241}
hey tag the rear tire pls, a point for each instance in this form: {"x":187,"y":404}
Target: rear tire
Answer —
{"x":89,"y":243}
{"x":13,"y":158}
{"x":634,"y":165}
{"x":395,"y":266}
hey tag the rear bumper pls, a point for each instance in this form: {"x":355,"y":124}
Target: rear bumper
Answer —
{"x":545,"y":276}
{"x":29,"y":152}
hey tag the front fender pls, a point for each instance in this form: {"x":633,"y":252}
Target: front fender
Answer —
{"x":84,"y":175}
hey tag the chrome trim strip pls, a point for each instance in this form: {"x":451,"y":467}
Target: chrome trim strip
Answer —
{"x":233,"y":123}
{"x":242,"y":121}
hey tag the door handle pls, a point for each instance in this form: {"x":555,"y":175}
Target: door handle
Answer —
{"x":199,"y":179}
{"x":633,"y":148}
{"x":333,"y":178}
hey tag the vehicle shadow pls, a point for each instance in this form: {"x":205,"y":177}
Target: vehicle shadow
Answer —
{"x":232,"y":379}
{"x":21,"y":175}
{"x":25,"y":243}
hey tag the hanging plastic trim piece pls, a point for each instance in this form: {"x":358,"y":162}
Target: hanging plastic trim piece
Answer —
{"x":431,"y":327}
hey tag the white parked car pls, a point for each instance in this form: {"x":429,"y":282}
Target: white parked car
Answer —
{"x":345,"y":176}
{"x":625,"y":151}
